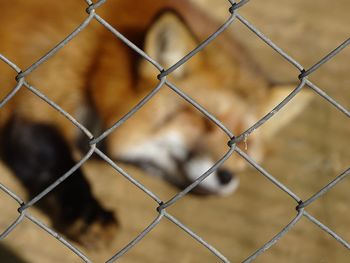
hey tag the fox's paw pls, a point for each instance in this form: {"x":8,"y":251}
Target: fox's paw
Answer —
{"x":94,"y":233}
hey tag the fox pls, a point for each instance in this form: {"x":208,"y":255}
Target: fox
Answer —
{"x":97,"y":79}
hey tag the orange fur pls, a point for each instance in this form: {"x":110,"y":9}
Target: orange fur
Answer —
{"x":96,"y":65}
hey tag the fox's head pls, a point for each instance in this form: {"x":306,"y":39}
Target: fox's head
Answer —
{"x":171,"y":138}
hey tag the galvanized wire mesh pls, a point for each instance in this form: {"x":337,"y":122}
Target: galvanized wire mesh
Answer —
{"x":233,"y":15}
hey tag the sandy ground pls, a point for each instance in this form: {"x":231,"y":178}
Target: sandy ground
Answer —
{"x":305,"y":156}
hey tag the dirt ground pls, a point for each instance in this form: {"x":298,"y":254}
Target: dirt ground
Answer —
{"x":306,"y":155}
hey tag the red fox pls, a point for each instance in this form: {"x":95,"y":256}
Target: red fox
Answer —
{"x":97,"y":79}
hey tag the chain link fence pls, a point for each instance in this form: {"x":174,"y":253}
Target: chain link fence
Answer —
{"x":233,"y":140}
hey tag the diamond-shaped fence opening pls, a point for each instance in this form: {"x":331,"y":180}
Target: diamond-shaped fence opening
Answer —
{"x":160,"y":205}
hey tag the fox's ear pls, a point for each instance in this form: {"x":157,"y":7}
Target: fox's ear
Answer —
{"x":289,"y":112}
{"x":168,"y":40}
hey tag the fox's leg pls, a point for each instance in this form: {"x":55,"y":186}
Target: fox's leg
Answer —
{"x":39,"y":155}
{"x":37,"y":152}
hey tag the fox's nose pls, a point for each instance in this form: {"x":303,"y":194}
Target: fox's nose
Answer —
{"x":224,"y":176}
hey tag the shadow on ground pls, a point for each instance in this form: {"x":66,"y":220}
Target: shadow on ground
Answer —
{"x":8,"y":256}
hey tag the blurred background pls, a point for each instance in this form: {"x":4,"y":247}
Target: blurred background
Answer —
{"x":306,"y":155}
